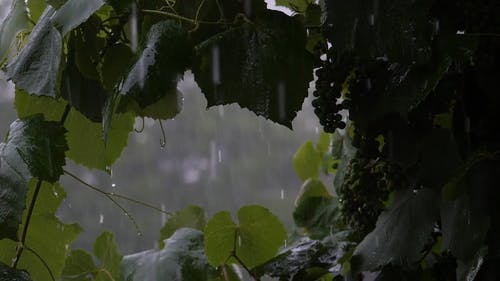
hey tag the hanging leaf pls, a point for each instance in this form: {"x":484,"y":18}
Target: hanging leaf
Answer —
{"x":262,"y":66}
{"x":160,"y":66}
{"x":16,"y":21}
{"x":307,"y":161}
{"x":43,"y":224}
{"x":27,"y":105}
{"x":39,"y":144}
{"x":75,"y":12}
{"x":254,"y":240}
{"x":191,"y":217}
{"x":115,"y":63}
{"x":86,"y":142}
{"x":35,"y":68}
{"x":182,"y":258}
{"x":11,"y":274}
{"x":391,"y":241}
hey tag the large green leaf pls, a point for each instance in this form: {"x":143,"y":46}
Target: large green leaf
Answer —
{"x":191,"y":217}
{"x":47,"y":235}
{"x":262,"y":66}
{"x":254,"y":240}
{"x":40,"y":144}
{"x":106,"y":250}
{"x":16,"y":21}
{"x":307,"y":161}
{"x":401,"y":231}
{"x":36,"y":67}
{"x":10,"y":274}
{"x":27,"y":105}
{"x":78,"y":267}
{"x":115,"y":64}
{"x":160,"y":66}
{"x":182,"y":258}
{"x":86,"y":143}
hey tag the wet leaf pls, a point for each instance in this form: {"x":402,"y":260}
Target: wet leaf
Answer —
{"x":307,"y":161}
{"x":106,"y":251}
{"x":262,"y":66}
{"x":16,"y":21}
{"x":11,"y":274}
{"x":401,"y":231}
{"x":182,"y":258}
{"x":36,"y":8}
{"x":161,"y":65}
{"x":36,"y":67}
{"x":37,"y":143}
{"x":190,"y":217}
{"x":115,"y":64}
{"x":78,"y":267}
{"x":44,"y":224}
{"x":254,"y":240}
{"x":75,"y":12}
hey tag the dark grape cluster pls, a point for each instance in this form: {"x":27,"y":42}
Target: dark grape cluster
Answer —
{"x":327,"y":103}
{"x":367,"y":184}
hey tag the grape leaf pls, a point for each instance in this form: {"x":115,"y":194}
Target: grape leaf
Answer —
{"x":307,"y":161}
{"x":43,"y":224}
{"x":86,"y":143}
{"x":182,"y":258}
{"x":74,"y":12}
{"x":35,"y":68}
{"x":106,"y":250}
{"x":401,"y":231}
{"x":262,"y":66}
{"x":16,"y":21}
{"x":39,"y":144}
{"x":191,"y":217}
{"x":115,"y":62}
{"x":26,"y":105}
{"x":256,"y":239}
{"x":36,"y":8}
{"x":160,"y":66}
{"x":11,"y":274}
{"x":78,"y":266}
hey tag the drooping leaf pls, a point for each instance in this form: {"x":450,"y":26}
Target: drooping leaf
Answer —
{"x":182,"y":258}
{"x":254,"y":240}
{"x":86,"y":142}
{"x":191,"y":217}
{"x":16,"y":21}
{"x":39,"y":144}
{"x":401,"y":231}
{"x":78,"y":267}
{"x":262,"y":66}
{"x":311,"y":188}
{"x":160,"y":66}
{"x":11,"y":274}
{"x":307,"y":161}
{"x":43,"y":224}
{"x":27,"y":105}
{"x":106,"y":251}
{"x":36,"y":67}
{"x":166,"y":108}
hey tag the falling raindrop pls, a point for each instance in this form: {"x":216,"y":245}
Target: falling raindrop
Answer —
{"x":113,"y":185}
{"x":436,"y":27}
{"x":219,"y":155}
{"x":221,"y":110}
{"x":239,"y":241}
{"x":133,"y":28}
{"x":282,"y":195}
{"x":216,"y":65}
{"x":163,"y":215}
{"x":286,"y":243}
{"x":316,"y":130}
{"x":66,"y":246}
{"x":139,"y":233}
{"x":372,"y":19}
{"x":368,"y":84}
{"x":101,"y":219}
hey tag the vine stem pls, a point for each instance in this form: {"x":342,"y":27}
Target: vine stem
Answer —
{"x":112,"y":194}
{"x":235,"y":256}
{"x":20,"y":246}
{"x":179,"y":17}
